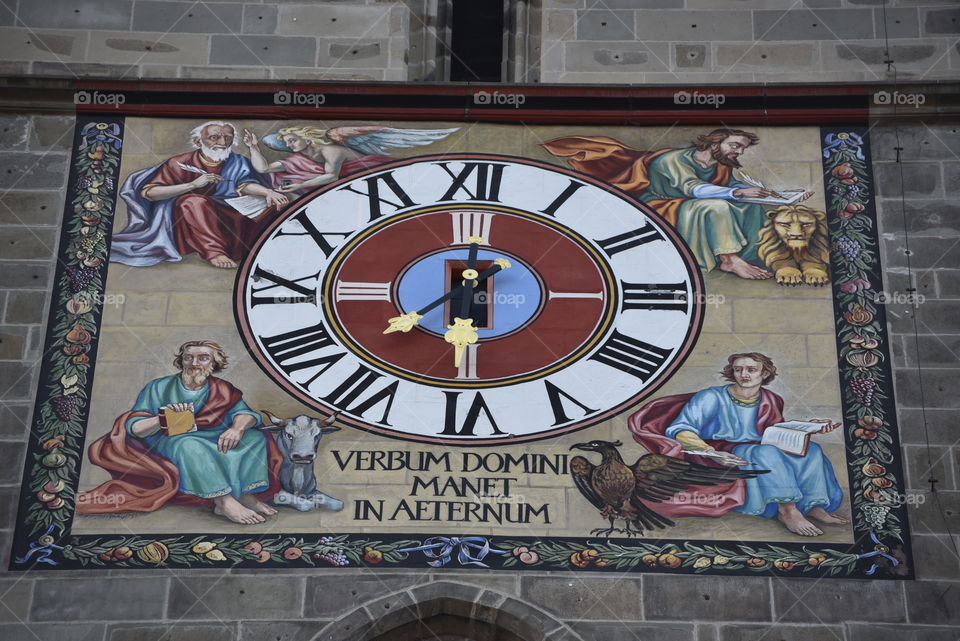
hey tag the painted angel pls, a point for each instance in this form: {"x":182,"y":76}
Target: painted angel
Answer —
{"x":320,"y":156}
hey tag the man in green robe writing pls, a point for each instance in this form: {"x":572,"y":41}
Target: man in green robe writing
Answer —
{"x":692,"y":188}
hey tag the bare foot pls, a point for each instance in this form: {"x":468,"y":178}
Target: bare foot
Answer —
{"x":223,"y":262}
{"x":232,"y":509}
{"x":795,"y":522}
{"x":825,"y":517}
{"x":736,"y":265}
{"x":257,"y":505}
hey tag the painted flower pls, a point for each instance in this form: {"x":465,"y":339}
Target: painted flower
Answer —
{"x":863,"y":359}
{"x":702,"y":562}
{"x":78,"y":335}
{"x":858,"y":315}
{"x":721,"y":560}
{"x":79,"y":304}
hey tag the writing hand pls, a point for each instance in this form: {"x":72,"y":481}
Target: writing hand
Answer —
{"x":204,"y":180}
{"x":728,"y":458}
{"x":275,"y":199}
{"x":754,"y":192}
{"x":828,"y":425}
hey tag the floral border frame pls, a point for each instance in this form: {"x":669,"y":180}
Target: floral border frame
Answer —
{"x":43,"y":539}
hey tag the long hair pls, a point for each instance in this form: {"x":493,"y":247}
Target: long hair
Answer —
{"x":717,"y":136}
{"x":219,"y":356}
{"x":768,"y":369}
{"x":313,"y":135}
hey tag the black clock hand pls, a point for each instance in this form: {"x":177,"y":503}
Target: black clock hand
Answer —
{"x":405,"y":322}
{"x":469,"y":276}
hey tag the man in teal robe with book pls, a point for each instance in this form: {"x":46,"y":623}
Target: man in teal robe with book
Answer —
{"x":222,"y":460}
{"x":724,"y":425}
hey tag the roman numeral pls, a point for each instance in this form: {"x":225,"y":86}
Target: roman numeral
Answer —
{"x":629,"y":240}
{"x":470,"y":223}
{"x":468,"y":363}
{"x":344,"y":290}
{"x":470,"y":423}
{"x":485,"y":183}
{"x":358,"y":383}
{"x":631,"y":356}
{"x":319,"y":237}
{"x":649,"y":296}
{"x":285,"y":348}
{"x":559,"y":414}
{"x":373,"y":194}
{"x":301,"y":294}
{"x":552,"y":208}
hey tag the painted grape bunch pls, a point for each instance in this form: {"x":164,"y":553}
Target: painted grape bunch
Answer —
{"x":876,"y":515}
{"x":337,"y":557}
{"x":863,"y":387}
{"x":848,"y":247}
{"x":80,"y":277}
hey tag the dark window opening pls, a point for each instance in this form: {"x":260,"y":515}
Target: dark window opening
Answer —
{"x":476,"y":40}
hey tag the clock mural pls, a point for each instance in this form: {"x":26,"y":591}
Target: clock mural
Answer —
{"x":455,"y":344}
{"x":467,"y":299}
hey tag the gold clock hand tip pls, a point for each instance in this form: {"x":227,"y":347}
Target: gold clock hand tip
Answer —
{"x":403,"y":323}
{"x":474,"y":240}
{"x":460,"y":334}
{"x":503,"y":262}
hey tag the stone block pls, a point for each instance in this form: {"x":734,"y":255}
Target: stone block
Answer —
{"x":15,"y":593}
{"x":940,"y":350}
{"x":742,"y":632}
{"x":187,"y":17}
{"x":559,"y":25}
{"x":14,"y":420}
{"x":13,"y":342}
{"x":604,"y":25}
{"x":936,"y":516}
{"x":6,"y":15}
{"x":925,"y":252}
{"x":627,"y":630}
{"x":690,"y":56}
{"x":941,"y":21}
{"x":938,"y":388}
{"x":948,"y":282}
{"x":30,"y":208}
{"x":323,"y":601}
{"x":24,"y":170}
{"x":704,"y":598}
{"x":263,"y":51}
{"x":579,"y":598}
{"x":616,"y":57}
{"x":900,"y":23}
{"x":920,"y":179}
{"x":797,"y":600}
{"x":642,"y":4}
{"x":920,"y":470}
{"x":9,"y":500}
{"x":924,"y":217}
{"x":14,"y":131}
{"x":98,"y":599}
{"x":51,"y":133}
{"x":224,"y":73}
{"x":52,"y":632}
{"x":345,"y":21}
{"x":82,"y":14}
{"x":804,"y":24}
{"x":772,"y":57}
{"x":72,"y":70}
{"x":280,"y":630}
{"x":259,"y":18}
{"x":343,"y":54}
{"x":24,"y":275}
{"x":935,"y":557}
{"x":150,"y":48}
{"x":199,"y":309}
{"x":179,"y":631}
{"x":352,"y":627}
{"x":24,"y":307}
{"x":26,"y":44}
{"x":17,"y":379}
{"x":696,"y":26}
{"x":919,"y":143}
{"x":934,"y":602}
{"x":873,"y":632}
{"x":236,"y":598}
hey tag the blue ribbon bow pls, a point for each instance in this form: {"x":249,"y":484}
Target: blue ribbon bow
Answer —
{"x":843,"y":142}
{"x":42,"y":548}
{"x":878,"y":550}
{"x":464,"y":547}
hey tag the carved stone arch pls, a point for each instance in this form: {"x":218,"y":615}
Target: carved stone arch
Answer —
{"x":447,"y":611}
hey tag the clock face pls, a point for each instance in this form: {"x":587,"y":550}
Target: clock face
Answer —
{"x":469,"y":299}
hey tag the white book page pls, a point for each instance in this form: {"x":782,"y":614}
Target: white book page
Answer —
{"x":802,"y":426}
{"x":786,"y":439}
{"x":249,"y":206}
{"x":789,"y":199}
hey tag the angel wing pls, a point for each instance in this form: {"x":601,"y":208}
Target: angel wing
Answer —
{"x":582,"y":471}
{"x":659,"y":477}
{"x":374,"y":139}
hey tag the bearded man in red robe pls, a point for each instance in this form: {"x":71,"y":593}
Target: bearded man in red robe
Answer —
{"x":181,"y":206}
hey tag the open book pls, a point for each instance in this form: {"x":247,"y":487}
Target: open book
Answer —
{"x":792,"y":437}
{"x":789,"y":198}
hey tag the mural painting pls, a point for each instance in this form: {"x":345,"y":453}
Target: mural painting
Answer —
{"x":453,"y":344}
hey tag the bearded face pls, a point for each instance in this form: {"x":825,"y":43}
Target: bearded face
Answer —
{"x":197,"y":365}
{"x":729,"y":151}
{"x":728,"y":159}
{"x":216,"y":142}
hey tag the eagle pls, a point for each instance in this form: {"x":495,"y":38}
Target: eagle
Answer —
{"x":616,"y":489}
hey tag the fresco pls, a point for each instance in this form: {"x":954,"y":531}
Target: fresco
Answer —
{"x":452,"y":344}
